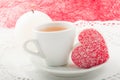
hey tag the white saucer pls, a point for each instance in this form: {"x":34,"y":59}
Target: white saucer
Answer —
{"x":69,"y":70}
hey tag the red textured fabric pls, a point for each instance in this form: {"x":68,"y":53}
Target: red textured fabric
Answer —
{"x":92,"y":51}
{"x":69,"y":10}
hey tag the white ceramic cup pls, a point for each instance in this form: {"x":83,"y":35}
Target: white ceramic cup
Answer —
{"x":55,"y":46}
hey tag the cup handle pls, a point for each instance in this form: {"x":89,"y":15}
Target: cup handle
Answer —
{"x":36,"y":43}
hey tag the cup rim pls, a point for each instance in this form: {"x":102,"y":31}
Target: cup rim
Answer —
{"x":71,"y":27}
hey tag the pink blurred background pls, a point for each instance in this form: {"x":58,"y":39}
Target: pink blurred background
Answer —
{"x":69,"y":10}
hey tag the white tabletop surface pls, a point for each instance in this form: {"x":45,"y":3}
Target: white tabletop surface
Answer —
{"x":19,"y":61}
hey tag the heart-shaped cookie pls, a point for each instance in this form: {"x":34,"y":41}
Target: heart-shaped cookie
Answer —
{"x":92,"y":50}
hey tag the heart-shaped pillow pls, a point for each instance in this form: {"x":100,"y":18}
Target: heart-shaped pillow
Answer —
{"x":92,"y":50}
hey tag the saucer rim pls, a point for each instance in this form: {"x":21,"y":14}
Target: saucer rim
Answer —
{"x":74,"y":72}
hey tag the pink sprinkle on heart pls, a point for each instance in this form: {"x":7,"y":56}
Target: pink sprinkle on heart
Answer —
{"x":92,"y":51}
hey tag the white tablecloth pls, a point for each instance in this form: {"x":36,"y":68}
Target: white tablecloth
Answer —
{"x":15,"y":63}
